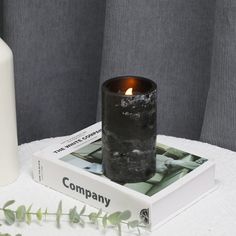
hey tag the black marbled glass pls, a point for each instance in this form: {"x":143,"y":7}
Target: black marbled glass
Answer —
{"x":129,"y":128}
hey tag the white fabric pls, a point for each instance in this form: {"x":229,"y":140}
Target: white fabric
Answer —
{"x":214,"y":215}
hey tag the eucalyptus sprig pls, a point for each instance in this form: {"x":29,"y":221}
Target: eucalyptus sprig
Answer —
{"x":25,"y":214}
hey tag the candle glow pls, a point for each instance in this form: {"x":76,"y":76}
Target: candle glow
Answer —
{"x":129,"y":91}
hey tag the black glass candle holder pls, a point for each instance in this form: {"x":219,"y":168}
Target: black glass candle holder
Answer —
{"x":129,"y":129}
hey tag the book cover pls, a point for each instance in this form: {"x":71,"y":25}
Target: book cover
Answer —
{"x":74,"y":167}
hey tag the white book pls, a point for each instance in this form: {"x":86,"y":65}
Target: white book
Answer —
{"x":74,"y":167}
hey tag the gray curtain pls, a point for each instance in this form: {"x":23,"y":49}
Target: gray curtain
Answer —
{"x":65,"y":49}
{"x":1,"y":18}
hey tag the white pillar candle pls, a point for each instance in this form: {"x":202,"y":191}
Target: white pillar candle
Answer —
{"x":9,"y":167}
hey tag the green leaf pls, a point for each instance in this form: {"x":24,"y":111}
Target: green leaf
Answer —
{"x":45,"y":213}
{"x":74,"y":216}
{"x":114,"y":218}
{"x":28,"y":215}
{"x":83,"y":210}
{"x":81,"y":222}
{"x":18,"y":234}
{"x":39,"y":214}
{"x":8,"y":203}
{"x":133,"y":224}
{"x":139,"y":233}
{"x":28,"y":219}
{"x":9,"y":216}
{"x":72,"y":213}
{"x":20,"y":213}
{"x":28,"y":209}
{"x":93,"y":217}
{"x":125,"y":215}
{"x":104,"y":221}
{"x":119,"y":230}
{"x":99,"y":213}
{"x":59,"y":213}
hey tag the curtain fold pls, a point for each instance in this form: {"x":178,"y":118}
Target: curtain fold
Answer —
{"x":169,"y":42}
{"x":64,"y":50}
{"x":220,"y":117}
{"x":1,"y":18}
{"x":57,"y":48}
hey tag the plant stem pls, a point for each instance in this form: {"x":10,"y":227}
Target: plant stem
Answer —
{"x":139,"y":225}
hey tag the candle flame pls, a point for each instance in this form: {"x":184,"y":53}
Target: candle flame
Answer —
{"x":129,"y":91}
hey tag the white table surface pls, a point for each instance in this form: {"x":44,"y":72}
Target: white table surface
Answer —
{"x":214,"y":215}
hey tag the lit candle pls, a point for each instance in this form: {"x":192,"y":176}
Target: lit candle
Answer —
{"x":8,"y":135}
{"x":129,"y":129}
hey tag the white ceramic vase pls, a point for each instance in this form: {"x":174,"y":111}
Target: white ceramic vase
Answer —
{"x":9,"y":165}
